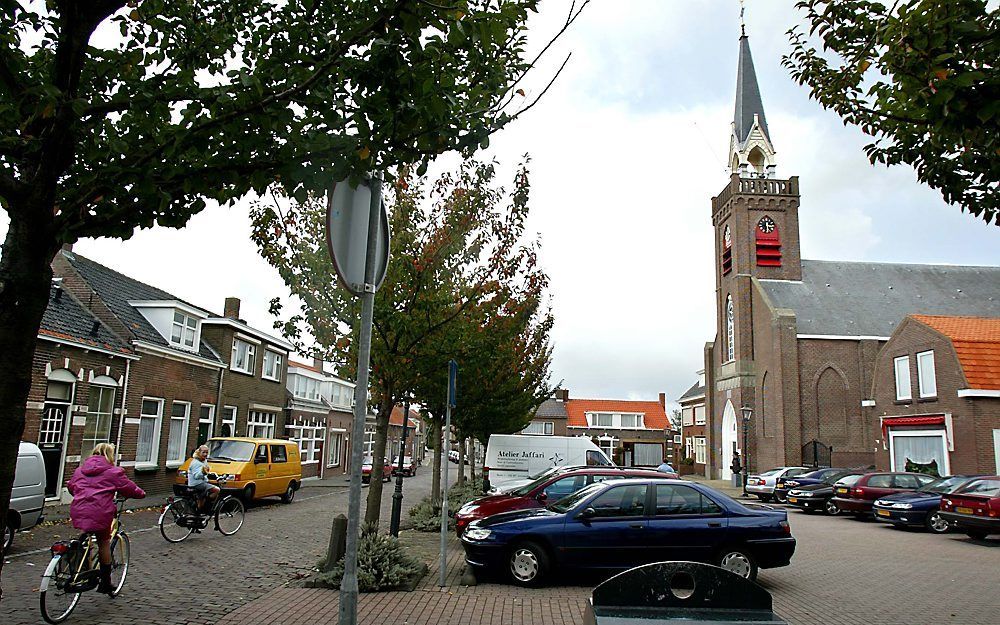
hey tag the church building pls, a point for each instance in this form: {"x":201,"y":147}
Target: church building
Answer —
{"x":789,"y":378}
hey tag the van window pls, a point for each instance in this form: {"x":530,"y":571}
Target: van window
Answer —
{"x":597,"y":459}
{"x":261,"y":456}
{"x":278,"y":453}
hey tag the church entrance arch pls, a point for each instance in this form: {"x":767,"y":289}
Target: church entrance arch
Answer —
{"x":729,"y":439}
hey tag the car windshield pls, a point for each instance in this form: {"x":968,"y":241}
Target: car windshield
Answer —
{"x":237,"y":451}
{"x":821,"y":474}
{"x":569,"y":502}
{"x":771,"y":472}
{"x":988,"y":487}
{"x":944,"y":486}
{"x":844,"y":480}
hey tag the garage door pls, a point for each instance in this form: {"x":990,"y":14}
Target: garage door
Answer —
{"x":648,"y":454}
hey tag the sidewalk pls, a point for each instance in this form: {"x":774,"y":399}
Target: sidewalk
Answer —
{"x":723,"y":486}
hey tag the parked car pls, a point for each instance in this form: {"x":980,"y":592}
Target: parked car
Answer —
{"x":816,"y":497}
{"x":366,"y":470}
{"x":620,"y":524}
{"x":515,"y":456}
{"x":252,"y":468}
{"x":513,"y":485}
{"x":859,"y":498}
{"x":783,"y":484}
{"x":27,"y":498}
{"x":762,"y":484}
{"x":550,"y":487}
{"x":453,"y":456}
{"x":920,"y":507}
{"x":409,"y":467}
{"x":975,"y":508}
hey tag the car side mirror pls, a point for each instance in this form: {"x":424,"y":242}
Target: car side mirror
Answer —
{"x":587,"y":513}
{"x":542,"y":496}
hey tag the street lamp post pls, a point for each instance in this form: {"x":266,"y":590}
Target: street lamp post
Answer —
{"x":747,"y":413}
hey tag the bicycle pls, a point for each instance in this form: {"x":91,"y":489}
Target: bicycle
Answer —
{"x":75,"y":569}
{"x":183,"y":516}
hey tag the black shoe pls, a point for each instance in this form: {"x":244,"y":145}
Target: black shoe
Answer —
{"x":104,"y":582}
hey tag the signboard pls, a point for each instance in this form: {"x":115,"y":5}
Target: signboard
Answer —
{"x":347,"y":214}
{"x":452,"y":382}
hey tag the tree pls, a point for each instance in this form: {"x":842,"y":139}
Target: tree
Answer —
{"x":921,"y":78}
{"x":456,"y":247}
{"x":119,"y":115}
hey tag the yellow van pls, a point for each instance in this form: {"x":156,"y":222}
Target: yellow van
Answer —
{"x":253,"y":467}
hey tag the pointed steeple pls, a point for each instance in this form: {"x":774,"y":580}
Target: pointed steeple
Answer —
{"x":751,"y":152}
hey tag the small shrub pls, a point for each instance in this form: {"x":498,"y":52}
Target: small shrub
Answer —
{"x":382,"y":563}
{"x":427,"y":517}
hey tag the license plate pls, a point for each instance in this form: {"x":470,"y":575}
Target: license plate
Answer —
{"x":882,"y":512}
{"x":793,"y":499}
{"x":963,"y":510}
{"x":842,"y":491}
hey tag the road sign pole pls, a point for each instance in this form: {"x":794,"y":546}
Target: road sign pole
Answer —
{"x":445,"y":451}
{"x":349,"y":584}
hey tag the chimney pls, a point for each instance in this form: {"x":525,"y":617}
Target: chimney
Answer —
{"x":318,"y":363}
{"x":67,"y":247}
{"x":663,"y":400}
{"x":232,"y":308}
{"x":562,"y":394}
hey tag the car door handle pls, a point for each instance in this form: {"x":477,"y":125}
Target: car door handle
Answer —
{"x":714,"y":524}
{"x":637,"y":526}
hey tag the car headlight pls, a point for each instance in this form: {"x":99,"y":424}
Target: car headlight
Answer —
{"x":228,"y":477}
{"x":902,"y":506}
{"x":468,"y":509}
{"x":182,"y":473}
{"x":477,"y":533}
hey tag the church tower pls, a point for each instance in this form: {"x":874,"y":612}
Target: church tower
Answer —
{"x":755,"y":218}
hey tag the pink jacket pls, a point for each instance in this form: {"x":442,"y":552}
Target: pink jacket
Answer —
{"x":94,"y":486}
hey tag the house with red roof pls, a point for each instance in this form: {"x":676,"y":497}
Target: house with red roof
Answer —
{"x":632,"y":433}
{"x":936,"y":393}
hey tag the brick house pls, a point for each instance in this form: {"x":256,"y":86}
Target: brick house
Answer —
{"x":319,"y":415}
{"x":936,"y":392}
{"x":77,"y":394}
{"x":632,"y":433}
{"x":414,"y":434}
{"x":693,"y":420}
{"x":550,"y":418}
{"x":797,"y":340}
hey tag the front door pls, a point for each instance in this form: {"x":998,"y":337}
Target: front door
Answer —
{"x":53,"y":432}
{"x":728,"y":439}
{"x":615,"y":536}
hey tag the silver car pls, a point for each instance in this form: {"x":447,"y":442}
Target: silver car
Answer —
{"x":762,"y":484}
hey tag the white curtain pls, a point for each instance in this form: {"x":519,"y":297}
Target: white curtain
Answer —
{"x":918,"y":450}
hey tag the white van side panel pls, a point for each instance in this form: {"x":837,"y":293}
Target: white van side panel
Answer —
{"x":518,"y":457}
{"x":28,"y":494}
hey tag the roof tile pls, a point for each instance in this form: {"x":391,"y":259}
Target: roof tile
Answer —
{"x":654,"y":415}
{"x":977,"y":343}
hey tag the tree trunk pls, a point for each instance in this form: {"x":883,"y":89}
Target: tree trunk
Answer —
{"x":25,"y":279}
{"x":472,"y":459}
{"x":435,"y":431}
{"x":374,"y":509}
{"x":461,"y":462}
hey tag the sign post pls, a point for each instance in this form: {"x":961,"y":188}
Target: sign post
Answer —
{"x":358,"y":241}
{"x":445,"y":450}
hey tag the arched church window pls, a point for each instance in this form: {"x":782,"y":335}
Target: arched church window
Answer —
{"x":768,"y":241}
{"x":727,"y":250}
{"x":730,"y":330}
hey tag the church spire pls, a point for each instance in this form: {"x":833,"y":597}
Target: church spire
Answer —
{"x":751,"y":152}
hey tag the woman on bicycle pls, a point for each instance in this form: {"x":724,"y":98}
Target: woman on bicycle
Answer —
{"x":94,"y":486}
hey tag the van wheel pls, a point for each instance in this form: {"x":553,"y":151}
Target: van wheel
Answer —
{"x":289,"y":493}
{"x":247,"y":494}
{"x":8,"y":536}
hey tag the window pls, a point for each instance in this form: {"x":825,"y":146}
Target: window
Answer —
{"x":621,"y":501}
{"x":260,"y":424}
{"x":674,"y":500}
{"x":595,"y":459}
{"x":279,"y":454}
{"x":99,"y":410}
{"x":180,"y":411}
{"x":228,"y":421}
{"x":615,"y":420}
{"x":566,"y":486}
{"x":607,"y":445}
{"x":905,"y":481}
{"x":543,"y":428}
{"x":261,"y":456}
{"x":730,"y":330}
{"x":699,"y":450}
{"x":902,"y":367}
{"x":926,"y":380}
{"x":147,"y":447}
{"x":310,"y":441}
{"x":602,"y":420}
{"x":243,"y":357}
{"x":58,"y":397}
{"x":631,"y":420}
{"x":272,"y":366}
{"x":308,"y":388}
{"x":687,"y":416}
{"x":206,"y":421}
{"x":689,"y":447}
{"x":183,"y":331}
{"x":699,"y":415}
{"x":333,"y":449}
{"x":880,"y":481}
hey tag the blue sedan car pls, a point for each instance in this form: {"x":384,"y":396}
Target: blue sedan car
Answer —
{"x":619,"y":524}
{"x":919,"y":507}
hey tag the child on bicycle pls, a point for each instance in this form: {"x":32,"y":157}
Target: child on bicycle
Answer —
{"x":94,"y":486}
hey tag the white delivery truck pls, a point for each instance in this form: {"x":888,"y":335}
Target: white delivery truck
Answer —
{"x":518,"y":458}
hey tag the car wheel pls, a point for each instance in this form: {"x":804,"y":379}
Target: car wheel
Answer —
{"x":935,"y":523}
{"x":528,"y":564}
{"x":830,"y":508}
{"x":289,"y":495}
{"x":247,"y":494}
{"x":764,"y":498}
{"x":739,"y":561}
{"x":976,"y":534}
{"x":8,"y":537}
{"x":780,"y":498}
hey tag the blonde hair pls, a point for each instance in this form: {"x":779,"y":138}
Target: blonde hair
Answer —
{"x":105,"y":449}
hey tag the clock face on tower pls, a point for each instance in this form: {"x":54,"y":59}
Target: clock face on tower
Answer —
{"x":766,"y":225}
{"x":727,"y":237}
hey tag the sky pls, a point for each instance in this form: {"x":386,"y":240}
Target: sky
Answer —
{"x":628,"y":148}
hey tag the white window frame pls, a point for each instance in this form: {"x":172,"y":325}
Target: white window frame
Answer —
{"x":210,"y":420}
{"x":607,"y":445}
{"x":183,"y":326}
{"x":97,"y":389}
{"x":700,"y":450}
{"x":251,"y":357}
{"x":228,"y":420}
{"x":369,"y":443}
{"x":185,"y":429}
{"x":699,"y":415}
{"x":276,"y":365}
{"x":337,"y":434}
{"x":154,"y":452}
{"x":689,"y":447}
{"x":261,"y":420}
{"x":539,"y":428}
{"x":943,"y":433}
{"x":904,"y":390}
{"x":925,"y":365}
{"x":616,"y":420}
{"x":687,"y":415}
{"x":310,"y":441}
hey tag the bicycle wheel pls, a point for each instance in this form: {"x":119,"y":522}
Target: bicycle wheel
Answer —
{"x":120,"y":549}
{"x":177,"y":513}
{"x":55,"y":601}
{"x":229,"y":516}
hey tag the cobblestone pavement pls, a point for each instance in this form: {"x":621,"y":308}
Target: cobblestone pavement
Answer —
{"x":206,"y":576}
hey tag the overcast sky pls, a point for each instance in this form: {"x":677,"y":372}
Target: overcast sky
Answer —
{"x":627,"y":150}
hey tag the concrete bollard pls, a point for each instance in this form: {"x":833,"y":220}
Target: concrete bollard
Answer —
{"x":338,"y":542}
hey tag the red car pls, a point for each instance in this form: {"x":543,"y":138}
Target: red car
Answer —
{"x":366,"y":470}
{"x":859,"y":498}
{"x":975,"y":509}
{"x":547,"y":489}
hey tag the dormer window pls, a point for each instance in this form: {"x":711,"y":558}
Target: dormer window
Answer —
{"x":184,"y":330}
{"x":615,"y":420}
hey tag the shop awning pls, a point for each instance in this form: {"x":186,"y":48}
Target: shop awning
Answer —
{"x":891,"y":422}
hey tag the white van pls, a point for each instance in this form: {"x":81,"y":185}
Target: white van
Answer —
{"x":515,"y":457}
{"x":28,"y":495}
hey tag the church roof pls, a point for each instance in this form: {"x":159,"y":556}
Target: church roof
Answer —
{"x":748,"y":102}
{"x":870,"y":299}
{"x":977,"y":343}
